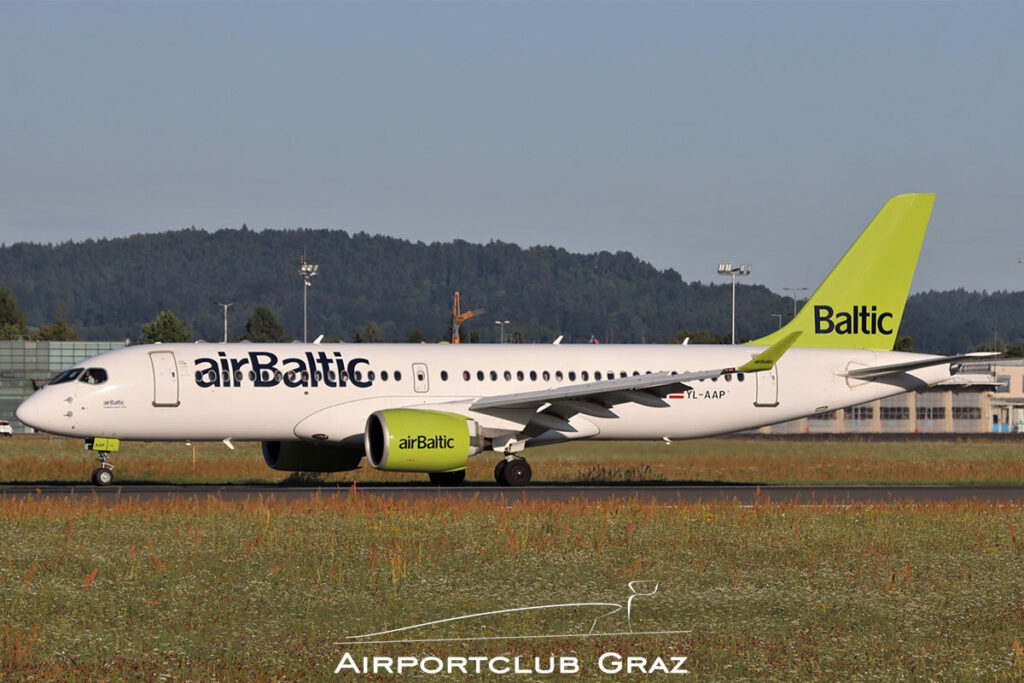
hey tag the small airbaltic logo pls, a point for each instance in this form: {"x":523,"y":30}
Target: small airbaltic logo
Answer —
{"x":424,"y":442}
{"x":862,"y":320}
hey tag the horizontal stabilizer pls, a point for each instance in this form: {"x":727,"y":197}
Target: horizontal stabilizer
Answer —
{"x":883,"y":370}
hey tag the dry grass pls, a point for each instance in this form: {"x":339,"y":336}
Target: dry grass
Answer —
{"x":187,"y":589}
{"x":708,"y":460}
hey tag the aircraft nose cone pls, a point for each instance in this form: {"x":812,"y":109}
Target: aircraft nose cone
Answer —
{"x":32,"y":412}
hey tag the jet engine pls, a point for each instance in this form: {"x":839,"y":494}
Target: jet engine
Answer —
{"x":408,"y":440}
{"x":302,"y":456}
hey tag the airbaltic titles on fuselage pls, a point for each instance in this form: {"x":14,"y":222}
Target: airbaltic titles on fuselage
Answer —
{"x":265,"y":369}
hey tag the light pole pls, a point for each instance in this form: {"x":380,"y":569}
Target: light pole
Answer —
{"x":729,"y":269}
{"x":779,"y":316}
{"x":502,"y":324}
{"x":226,"y":306}
{"x":794,"y":290}
{"x":308,"y":271}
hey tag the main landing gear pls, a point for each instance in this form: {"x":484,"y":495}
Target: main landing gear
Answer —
{"x":104,"y":474}
{"x":512,"y":471}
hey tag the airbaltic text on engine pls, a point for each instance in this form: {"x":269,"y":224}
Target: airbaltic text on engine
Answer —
{"x":266,"y":370}
{"x":860,"y":321}
{"x":421,"y":441}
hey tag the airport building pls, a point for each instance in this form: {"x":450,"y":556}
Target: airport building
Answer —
{"x":24,"y":365}
{"x":982,"y":397}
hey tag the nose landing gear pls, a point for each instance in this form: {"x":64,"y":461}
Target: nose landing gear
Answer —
{"x":104,"y":474}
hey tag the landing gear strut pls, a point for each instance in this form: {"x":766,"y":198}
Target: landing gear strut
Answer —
{"x":513,"y":472}
{"x":104,"y":474}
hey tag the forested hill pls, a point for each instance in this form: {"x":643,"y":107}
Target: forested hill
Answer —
{"x":109,"y":288}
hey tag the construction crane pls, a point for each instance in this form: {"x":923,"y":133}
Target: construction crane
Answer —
{"x":458,"y":317}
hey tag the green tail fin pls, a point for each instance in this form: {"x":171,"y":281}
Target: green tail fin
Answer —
{"x":860,"y":303}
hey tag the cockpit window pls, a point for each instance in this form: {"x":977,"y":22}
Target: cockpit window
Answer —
{"x":94,"y":376}
{"x":67,"y":376}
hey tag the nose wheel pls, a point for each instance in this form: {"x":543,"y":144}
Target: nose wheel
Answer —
{"x":104,"y":474}
{"x":514,"y":472}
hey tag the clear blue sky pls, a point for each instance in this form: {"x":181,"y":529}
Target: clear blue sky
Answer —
{"x":686,"y":133}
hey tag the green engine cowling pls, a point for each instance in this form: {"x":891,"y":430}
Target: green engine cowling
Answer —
{"x":302,"y":456}
{"x":409,"y":440}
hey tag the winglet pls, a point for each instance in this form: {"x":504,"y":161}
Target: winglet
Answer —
{"x":767,"y":359}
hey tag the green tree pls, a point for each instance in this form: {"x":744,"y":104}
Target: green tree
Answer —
{"x":263,"y":326}
{"x":904,"y":343}
{"x":416,"y":337}
{"x":59,"y":330}
{"x":516,"y":337}
{"x":700,"y":337}
{"x":167,"y":328}
{"x":12,"y":318}
{"x":369,"y":334}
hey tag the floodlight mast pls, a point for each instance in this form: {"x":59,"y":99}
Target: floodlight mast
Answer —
{"x":794,"y":290}
{"x":308,"y":271}
{"x":502,"y":324}
{"x":226,"y":306}
{"x":729,"y":269}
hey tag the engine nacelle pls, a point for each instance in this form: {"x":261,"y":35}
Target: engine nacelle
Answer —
{"x":407,"y":440}
{"x":302,"y":456}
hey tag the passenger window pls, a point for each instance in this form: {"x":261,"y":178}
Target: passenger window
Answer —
{"x":519,"y":375}
{"x":572,"y":375}
{"x":383,"y":375}
{"x":558,"y":375}
{"x":585,"y":375}
{"x":597,"y":374}
{"x":444,"y":375}
{"x":480,"y":375}
{"x":508,"y":376}
{"x":728,"y":378}
{"x":533,"y":375}
{"x":465,"y":375}
{"x":370,"y":375}
{"x":398,"y":375}
{"x":739,"y":376}
{"x":494,"y":376}
{"x":546,"y":375}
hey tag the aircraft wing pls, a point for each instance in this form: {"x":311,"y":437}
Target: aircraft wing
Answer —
{"x":877,"y":371}
{"x":555,"y":406}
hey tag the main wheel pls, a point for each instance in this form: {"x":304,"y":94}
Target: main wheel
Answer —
{"x":516,"y":473}
{"x":447,"y":478}
{"x":101,"y":476}
{"x":499,"y":471}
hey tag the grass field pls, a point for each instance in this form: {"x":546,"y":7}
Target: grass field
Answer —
{"x":262,"y":590}
{"x":41,"y":459}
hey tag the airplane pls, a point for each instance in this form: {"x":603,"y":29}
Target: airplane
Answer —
{"x":429,"y":408}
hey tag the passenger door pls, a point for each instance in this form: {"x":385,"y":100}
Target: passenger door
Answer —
{"x":767,"y":388}
{"x":165,"y":379}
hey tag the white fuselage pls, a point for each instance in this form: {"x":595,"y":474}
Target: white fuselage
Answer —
{"x":282,"y":392}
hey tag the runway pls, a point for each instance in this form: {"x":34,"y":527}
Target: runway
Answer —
{"x":661,"y":493}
